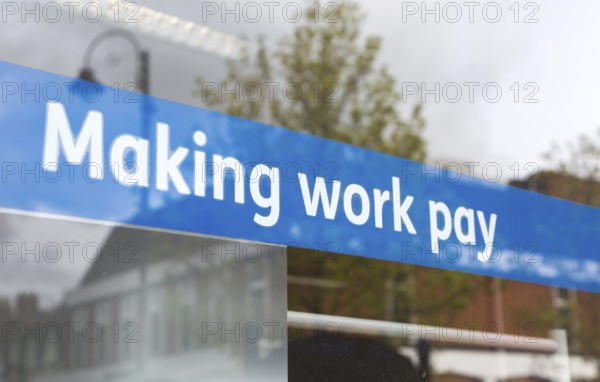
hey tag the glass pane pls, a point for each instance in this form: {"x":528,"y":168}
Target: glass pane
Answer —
{"x":352,"y":316}
{"x":84,"y":301}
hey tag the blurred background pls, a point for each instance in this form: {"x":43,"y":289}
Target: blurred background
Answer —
{"x":503,"y":91}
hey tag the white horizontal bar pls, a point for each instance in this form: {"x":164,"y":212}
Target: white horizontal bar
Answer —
{"x":414,"y":332}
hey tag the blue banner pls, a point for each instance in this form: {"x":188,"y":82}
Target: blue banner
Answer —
{"x":78,"y":149}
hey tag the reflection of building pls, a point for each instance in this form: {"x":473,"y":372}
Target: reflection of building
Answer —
{"x":505,"y":331}
{"x":30,"y":340}
{"x":481,"y":328}
{"x":161,"y":306}
{"x":539,"y":321}
{"x":564,"y":186}
{"x":165,"y":295}
{"x":576,"y":311}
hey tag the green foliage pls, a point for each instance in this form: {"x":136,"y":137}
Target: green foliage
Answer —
{"x":358,"y":287}
{"x":580,"y":158}
{"x":444,"y":294}
{"x":341,"y":94}
{"x":338,"y":90}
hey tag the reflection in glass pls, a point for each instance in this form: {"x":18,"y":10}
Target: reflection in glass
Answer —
{"x":89,"y":302}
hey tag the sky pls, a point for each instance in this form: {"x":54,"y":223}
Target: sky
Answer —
{"x":556,"y":54}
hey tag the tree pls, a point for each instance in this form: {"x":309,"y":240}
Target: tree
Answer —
{"x":323,"y":80}
{"x":336,"y":90}
{"x":580,"y":158}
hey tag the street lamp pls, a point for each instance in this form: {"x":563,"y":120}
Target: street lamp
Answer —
{"x":143,"y":58}
{"x":142,"y":80}
{"x":143,"y":83}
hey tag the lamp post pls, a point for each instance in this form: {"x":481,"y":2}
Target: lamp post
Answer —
{"x":424,"y":351}
{"x":142,"y":80}
{"x":143,"y":84}
{"x":143,"y":67}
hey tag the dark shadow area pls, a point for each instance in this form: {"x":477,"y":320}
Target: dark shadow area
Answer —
{"x":339,"y":358}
